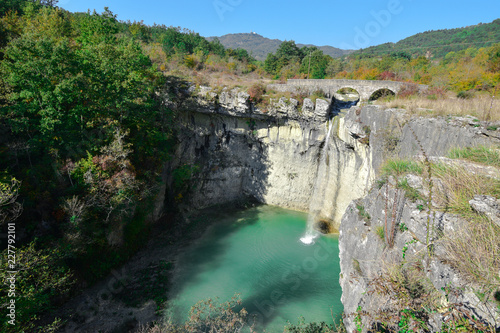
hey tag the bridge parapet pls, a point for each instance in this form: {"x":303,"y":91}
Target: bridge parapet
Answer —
{"x":365,"y":88}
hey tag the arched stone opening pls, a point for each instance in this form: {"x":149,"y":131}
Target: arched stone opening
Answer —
{"x":382,"y":93}
{"x":347,"y":95}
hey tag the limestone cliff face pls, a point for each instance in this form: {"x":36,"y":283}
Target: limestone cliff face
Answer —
{"x":273,"y":155}
{"x":371,"y":269}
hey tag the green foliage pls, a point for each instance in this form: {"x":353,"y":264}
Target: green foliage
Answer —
{"x":9,"y":191}
{"x":407,"y":244}
{"x":465,"y":94}
{"x":303,"y":327}
{"x":97,"y":28}
{"x":364,"y":214}
{"x":409,"y":320}
{"x":479,"y":154}
{"x":357,"y":320}
{"x":81,"y":101}
{"x":410,"y":192}
{"x":289,"y":60}
{"x":182,"y":175}
{"x":12,"y":5}
{"x":494,"y":58}
{"x":315,"y":64}
{"x":399,"y":167}
{"x":42,"y":279}
{"x":380,"y":232}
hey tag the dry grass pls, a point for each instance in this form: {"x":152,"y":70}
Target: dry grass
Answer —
{"x":474,"y":251}
{"x":484,"y":107}
{"x":460,"y":186}
{"x":407,"y":285}
{"x":217,"y":77}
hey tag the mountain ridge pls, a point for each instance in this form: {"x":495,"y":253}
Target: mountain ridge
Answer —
{"x":259,"y":46}
{"x":438,"y":43}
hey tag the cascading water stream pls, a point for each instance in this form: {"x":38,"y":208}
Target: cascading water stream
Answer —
{"x":316,"y":202}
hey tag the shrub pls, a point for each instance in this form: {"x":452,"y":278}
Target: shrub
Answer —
{"x":190,"y":61}
{"x":465,"y":94}
{"x":208,"y":316}
{"x":363,"y":213}
{"x":435,"y":93}
{"x":43,"y":279}
{"x":303,"y":327}
{"x":380,"y":231}
{"x":256,"y":92}
{"x":317,"y":94}
{"x":408,"y":90}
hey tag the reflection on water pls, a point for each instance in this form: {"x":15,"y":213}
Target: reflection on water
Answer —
{"x":257,"y":253}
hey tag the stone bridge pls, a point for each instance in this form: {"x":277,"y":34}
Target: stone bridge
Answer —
{"x":365,"y":88}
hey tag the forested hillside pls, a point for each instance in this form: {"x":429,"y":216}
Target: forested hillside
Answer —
{"x":438,"y":43}
{"x":259,"y":46}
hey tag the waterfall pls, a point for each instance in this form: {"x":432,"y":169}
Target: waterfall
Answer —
{"x":316,"y":202}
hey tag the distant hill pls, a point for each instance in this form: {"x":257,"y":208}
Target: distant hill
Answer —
{"x":260,"y":46}
{"x":437,"y":43}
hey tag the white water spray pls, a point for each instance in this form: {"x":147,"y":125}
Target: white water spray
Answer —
{"x":316,"y":202}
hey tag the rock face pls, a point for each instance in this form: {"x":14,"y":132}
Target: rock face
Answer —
{"x":272,"y":156}
{"x":488,"y":206}
{"x":239,"y":151}
{"x":373,"y":273}
{"x":376,"y":271}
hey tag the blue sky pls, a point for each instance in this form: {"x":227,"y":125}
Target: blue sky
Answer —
{"x":340,"y":23}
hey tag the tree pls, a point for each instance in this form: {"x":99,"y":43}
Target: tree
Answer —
{"x":96,"y":28}
{"x":271,"y":64}
{"x":315,"y":64}
{"x":9,"y":208}
{"x":217,"y":48}
{"x":494,"y":59}
{"x":288,"y":50}
{"x":11,"y":5}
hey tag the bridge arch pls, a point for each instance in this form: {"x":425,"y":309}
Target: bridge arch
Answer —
{"x":381,"y":93}
{"x":349,"y":93}
{"x":365,"y":88}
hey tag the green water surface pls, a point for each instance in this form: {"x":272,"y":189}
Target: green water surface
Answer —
{"x":257,"y":253}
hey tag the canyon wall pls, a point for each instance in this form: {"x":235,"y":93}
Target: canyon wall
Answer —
{"x":241,"y":151}
{"x":272,"y":156}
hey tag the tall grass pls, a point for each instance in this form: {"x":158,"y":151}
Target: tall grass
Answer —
{"x":479,"y":154}
{"x":459,"y":187}
{"x":399,"y":167}
{"x":483,"y":107}
{"x":474,"y":251}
